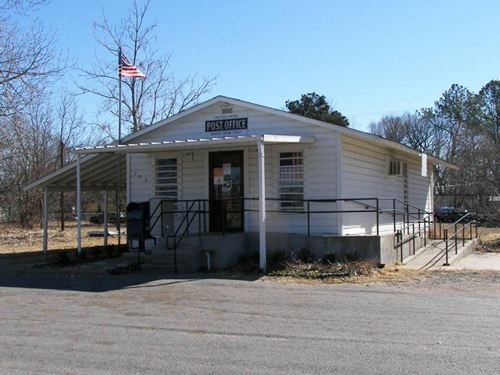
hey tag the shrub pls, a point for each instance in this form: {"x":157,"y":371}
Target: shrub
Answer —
{"x":277,"y":260}
{"x":329,"y":258}
{"x":303,"y":255}
{"x":351,"y":257}
{"x":248,"y":263}
{"x":317,"y":270}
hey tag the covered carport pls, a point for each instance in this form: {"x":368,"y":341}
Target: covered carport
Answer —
{"x":104,"y":168}
{"x":97,"y":172}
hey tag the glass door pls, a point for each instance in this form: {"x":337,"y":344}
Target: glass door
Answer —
{"x":226,"y":191}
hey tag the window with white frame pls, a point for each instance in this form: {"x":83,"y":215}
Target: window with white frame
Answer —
{"x":291,"y":181}
{"x":166,"y":178}
{"x":396,"y":167}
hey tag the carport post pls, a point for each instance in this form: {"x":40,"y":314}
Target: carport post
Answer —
{"x":105,"y":218}
{"x":45,"y":220}
{"x":78,"y":208}
{"x":262,"y":205}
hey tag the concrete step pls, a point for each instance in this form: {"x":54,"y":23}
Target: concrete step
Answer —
{"x":430,"y":244}
{"x":434,"y":255}
{"x":186,"y":242}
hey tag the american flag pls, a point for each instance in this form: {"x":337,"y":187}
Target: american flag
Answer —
{"x":126,"y":69}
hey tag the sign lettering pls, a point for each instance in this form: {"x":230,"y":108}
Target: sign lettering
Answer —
{"x":226,"y":125}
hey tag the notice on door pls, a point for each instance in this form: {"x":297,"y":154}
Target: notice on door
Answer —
{"x":218,"y":176}
{"x":226,"y":167}
{"x":226,"y":187}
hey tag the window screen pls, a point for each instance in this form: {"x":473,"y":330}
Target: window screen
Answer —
{"x":166,"y":178}
{"x":291,"y":180}
{"x":397,"y":168}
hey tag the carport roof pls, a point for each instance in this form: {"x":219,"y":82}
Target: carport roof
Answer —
{"x":99,"y":163}
{"x":193,"y":143}
{"x":98,"y":173}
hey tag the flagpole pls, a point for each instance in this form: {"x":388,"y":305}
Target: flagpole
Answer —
{"x":118,"y":155}
{"x":120,"y":96}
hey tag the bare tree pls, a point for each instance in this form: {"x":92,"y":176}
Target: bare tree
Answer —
{"x":27,"y":59}
{"x":30,"y":155}
{"x":462,"y":128}
{"x":389,"y":127}
{"x":414,"y":130}
{"x":69,"y":131}
{"x":28,"y":63}
{"x":39,"y":140}
{"x":20,"y":6}
{"x":160,"y":95}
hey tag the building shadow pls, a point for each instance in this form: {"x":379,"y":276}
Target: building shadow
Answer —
{"x":34,"y":270}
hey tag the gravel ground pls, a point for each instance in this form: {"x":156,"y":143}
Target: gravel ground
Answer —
{"x":442,"y":323}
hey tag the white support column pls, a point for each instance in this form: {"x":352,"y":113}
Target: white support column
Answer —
{"x":105,"y":218}
{"x":262,"y":204}
{"x":45,"y":220}
{"x":339,"y":182}
{"x":78,"y":207}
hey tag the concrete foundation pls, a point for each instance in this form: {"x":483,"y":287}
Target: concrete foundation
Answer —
{"x":366,"y":247}
{"x":226,"y":249}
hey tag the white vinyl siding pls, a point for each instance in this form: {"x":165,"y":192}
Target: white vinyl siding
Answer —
{"x":334,"y":166}
{"x":166,"y":184}
{"x":366,"y":173}
{"x":142,"y":176}
{"x":291,"y":181}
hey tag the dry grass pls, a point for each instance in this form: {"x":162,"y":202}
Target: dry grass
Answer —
{"x":16,"y":239}
{"x":490,"y":239}
{"x":325,"y":270}
{"x":488,"y":234}
{"x":391,"y":274}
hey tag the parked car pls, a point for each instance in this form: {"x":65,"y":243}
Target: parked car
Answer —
{"x":451,"y":214}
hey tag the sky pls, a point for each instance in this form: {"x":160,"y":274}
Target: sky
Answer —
{"x":369,"y":58}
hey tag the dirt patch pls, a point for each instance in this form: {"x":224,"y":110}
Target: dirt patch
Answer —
{"x":16,"y":239}
{"x":21,"y":250}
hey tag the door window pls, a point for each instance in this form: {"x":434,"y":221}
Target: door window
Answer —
{"x":226,"y":191}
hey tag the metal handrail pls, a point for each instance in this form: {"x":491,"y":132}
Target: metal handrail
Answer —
{"x":454,"y":236}
{"x":184,"y":218}
{"x":459,"y":220}
{"x":406,"y":204}
{"x":400,"y":242}
{"x":151,"y":226}
{"x":186,"y":229}
{"x":189,"y":208}
{"x":307,"y":203}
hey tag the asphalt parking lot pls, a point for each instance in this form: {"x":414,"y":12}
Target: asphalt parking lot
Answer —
{"x":137,"y":323}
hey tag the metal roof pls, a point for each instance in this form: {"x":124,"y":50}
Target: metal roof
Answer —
{"x":99,"y":163}
{"x":98,"y":173}
{"x":60,"y":178}
{"x":192,"y":143}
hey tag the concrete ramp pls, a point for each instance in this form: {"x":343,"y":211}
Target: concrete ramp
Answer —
{"x":434,"y":255}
